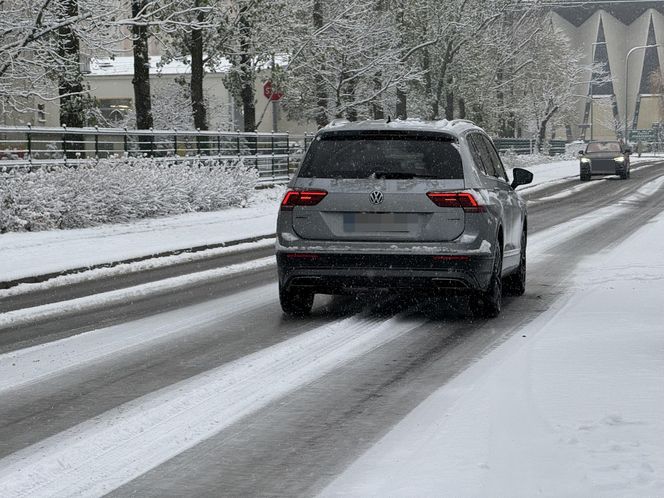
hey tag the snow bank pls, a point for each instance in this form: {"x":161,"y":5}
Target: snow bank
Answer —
{"x":119,"y":190}
{"x":26,"y":254}
{"x":514,"y":160}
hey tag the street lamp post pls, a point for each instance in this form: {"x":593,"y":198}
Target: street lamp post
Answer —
{"x":640,"y":47}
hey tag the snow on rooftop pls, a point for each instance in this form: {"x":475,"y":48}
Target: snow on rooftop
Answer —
{"x":124,"y":66}
{"x":454,"y":126}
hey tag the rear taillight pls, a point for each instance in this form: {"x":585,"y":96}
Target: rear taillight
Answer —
{"x":464,"y":200}
{"x":302,"y":198}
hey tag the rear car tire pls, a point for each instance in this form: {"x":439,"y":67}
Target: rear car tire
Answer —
{"x":296,"y":302}
{"x":489,"y":302}
{"x":584,"y":177}
{"x":515,"y":284}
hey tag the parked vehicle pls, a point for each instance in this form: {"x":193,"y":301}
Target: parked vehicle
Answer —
{"x":422,"y":206}
{"x":605,"y":158}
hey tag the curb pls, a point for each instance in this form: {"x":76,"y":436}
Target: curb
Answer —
{"x":43,"y":278}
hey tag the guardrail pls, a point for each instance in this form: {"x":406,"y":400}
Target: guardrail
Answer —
{"x":275,"y":155}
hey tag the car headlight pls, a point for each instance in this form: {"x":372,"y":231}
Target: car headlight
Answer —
{"x":585,"y":160}
{"x":619,"y":159}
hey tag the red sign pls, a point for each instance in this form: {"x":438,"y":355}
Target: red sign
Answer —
{"x":270,"y":93}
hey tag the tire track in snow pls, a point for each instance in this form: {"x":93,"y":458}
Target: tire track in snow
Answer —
{"x":29,"y":365}
{"x":543,"y":241}
{"x":103,"y":453}
{"x":57,"y":310}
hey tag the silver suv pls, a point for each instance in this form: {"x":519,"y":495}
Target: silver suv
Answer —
{"x":422,"y":206}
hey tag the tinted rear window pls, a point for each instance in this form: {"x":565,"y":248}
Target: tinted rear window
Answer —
{"x":382,"y":155}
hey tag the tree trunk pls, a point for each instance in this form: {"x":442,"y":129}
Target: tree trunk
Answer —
{"x":70,"y":84}
{"x":351,"y":110}
{"x":141,"y":80}
{"x":541,"y":128}
{"x":461,"y":103}
{"x":319,"y":82}
{"x":197,"y":74}
{"x":247,"y":92}
{"x":402,"y":104}
{"x":449,"y":101}
{"x":377,"y":110}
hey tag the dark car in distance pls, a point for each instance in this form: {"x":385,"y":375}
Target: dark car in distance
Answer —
{"x":609,"y":157}
{"x":402,"y":205}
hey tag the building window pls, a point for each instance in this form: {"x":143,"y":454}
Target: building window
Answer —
{"x":115,"y":110}
{"x":41,"y":113}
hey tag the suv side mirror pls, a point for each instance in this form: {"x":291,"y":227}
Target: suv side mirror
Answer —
{"x":581,"y":152}
{"x":628,"y":150}
{"x":521,"y":177}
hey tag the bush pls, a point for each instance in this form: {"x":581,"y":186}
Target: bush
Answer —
{"x":513,"y":160}
{"x":119,"y":190}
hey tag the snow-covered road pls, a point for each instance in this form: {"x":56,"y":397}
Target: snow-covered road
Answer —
{"x":571,"y":405}
{"x":207,"y":390}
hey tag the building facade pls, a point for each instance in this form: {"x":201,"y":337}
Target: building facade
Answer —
{"x":610,"y":33}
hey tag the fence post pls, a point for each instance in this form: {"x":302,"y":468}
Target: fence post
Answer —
{"x":256,"y":151}
{"x":198,"y":141}
{"x":218,"y":141}
{"x":288,"y":153}
{"x":151,"y":142}
{"x":175,"y":141}
{"x":239,"y":145}
{"x":126,"y":143}
{"x":272,"y":148}
{"x":97,"y":143}
{"x":64,"y":143}
{"x":29,"y":136}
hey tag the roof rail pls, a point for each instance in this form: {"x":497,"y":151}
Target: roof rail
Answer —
{"x":455,"y":122}
{"x":337,"y":122}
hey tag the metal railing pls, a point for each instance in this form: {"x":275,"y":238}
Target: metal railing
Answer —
{"x":275,"y":155}
{"x":527,"y":146}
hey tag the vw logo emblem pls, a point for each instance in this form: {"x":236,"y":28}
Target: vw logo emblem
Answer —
{"x":376,"y":197}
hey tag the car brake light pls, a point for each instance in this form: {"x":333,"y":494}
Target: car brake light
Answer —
{"x":302,"y":198}
{"x":464,"y":200}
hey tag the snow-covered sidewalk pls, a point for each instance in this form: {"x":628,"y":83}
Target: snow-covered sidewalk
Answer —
{"x":28,"y":254}
{"x":570,"y":406}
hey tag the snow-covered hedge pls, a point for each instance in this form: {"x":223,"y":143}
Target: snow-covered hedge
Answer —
{"x":119,"y":190}
{"x":514,"y":160}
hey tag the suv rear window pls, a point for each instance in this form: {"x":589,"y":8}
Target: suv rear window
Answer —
{"x":382,"y":154}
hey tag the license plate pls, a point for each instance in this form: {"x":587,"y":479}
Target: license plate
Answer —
{"x":379,"y":222}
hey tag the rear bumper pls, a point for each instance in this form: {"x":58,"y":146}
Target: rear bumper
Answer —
{"x":331,"y":273}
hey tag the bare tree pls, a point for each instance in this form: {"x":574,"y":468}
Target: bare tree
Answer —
{"x":353,"y":56}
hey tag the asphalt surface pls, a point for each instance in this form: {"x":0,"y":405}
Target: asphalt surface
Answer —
{"x":297,"y":443}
